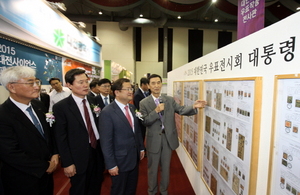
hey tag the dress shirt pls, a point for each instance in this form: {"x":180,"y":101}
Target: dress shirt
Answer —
{"x":122,"y":107}
{"x":57,"y":96}
{"x":80,"y":107}
{"x":102,"y":96}
{"x":23,"y":107}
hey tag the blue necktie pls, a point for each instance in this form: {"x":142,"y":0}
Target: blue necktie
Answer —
{"x":105,"y":101}
{"x":35,"y":121}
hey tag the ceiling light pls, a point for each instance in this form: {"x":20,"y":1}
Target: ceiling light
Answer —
{"x":100,"y":12}
{"x":80,"y":24}
{"x":179,"y":17}
{"x":216,"y":20}
{"x":298,"y":8}
{"x":214,"y":1}
{"x":141,"y":15}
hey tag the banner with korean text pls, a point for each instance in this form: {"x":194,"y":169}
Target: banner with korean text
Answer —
{"x":251,"y":16}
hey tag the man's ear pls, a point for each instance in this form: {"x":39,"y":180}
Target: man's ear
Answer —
{"x":69,"y":85}
{"x":11,"y":88}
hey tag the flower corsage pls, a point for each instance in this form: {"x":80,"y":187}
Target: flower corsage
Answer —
{"x":139,"y":115}
{"x":50,"y":118}
{"x":96,"y":109}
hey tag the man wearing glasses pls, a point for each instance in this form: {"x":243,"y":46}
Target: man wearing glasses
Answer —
{"x":27,"y":149}
{"x":104,"y":98}
{"x":121,"y":139}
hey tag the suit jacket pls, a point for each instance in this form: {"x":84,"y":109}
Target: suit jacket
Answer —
{"x":45,"y":98}
{"x":138,"y":96}
{"x":91,"y":94}
{"x":99,"y":101}
{"x":23,"y":151}
{"x":71,"y":134}
{"x":120,"y":145}
{"x":153,"y":122}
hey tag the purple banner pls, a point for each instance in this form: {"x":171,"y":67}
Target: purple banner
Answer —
{"x":251,"y":16}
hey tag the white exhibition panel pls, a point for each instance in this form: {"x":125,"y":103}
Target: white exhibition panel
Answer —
{"x":266,"y":53}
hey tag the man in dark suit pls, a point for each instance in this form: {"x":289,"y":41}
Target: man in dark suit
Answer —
{"x":140,"y":94}
{"x":104,"y":98}
{"x":27,"y":150}
{"x":121,"y":140}
{"x":77,"y":136}
{"x":43,"y":97}
{"x":161,"y":137}
{"x":94,"y":88}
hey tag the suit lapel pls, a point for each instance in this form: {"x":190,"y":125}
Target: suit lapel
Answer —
{"x":121,"y":115}
{"x":19,"y":115}
{"x":75,"y":110}
{"x":42,"y":120}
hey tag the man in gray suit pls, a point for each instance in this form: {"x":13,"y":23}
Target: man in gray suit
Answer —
{"x":161,"y":134}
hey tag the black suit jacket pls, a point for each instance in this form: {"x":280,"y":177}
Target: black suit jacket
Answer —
{"x":45,"y":98}
{"x":23,"y":151}
{"x":91,"y":94}
{"x":120,"y":145}
{"x":99,"y":101}
{"x":138,"y":96}
{"x":71,"y":134}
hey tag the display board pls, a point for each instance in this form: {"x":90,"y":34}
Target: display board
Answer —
{"x":190,"y":133}
{"x":177,"y":94}
{"x":232,"y":118}
{"x":284,"y":176}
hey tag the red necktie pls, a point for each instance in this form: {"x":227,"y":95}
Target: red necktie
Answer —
{"x":128,"y":116}
{"x":89,"y":125}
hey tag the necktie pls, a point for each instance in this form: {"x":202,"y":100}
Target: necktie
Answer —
{"x":145,"y":94}
{"x":35,"y":121}
{"x":105,"y":101}
{"x":160,"y":116}
{"x":128,"y":115}
{"x":89,"y":125}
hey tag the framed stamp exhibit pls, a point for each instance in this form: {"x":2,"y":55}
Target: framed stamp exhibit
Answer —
{"x":231,"y":123}
{"x":190,"y":133}
{"x":285,"y":144}
{"x":177,"y":94}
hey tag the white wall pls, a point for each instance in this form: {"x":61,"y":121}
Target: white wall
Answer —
{"x":275,"y":34}
{"x":117,"y":45}
{"x":180,"y":45}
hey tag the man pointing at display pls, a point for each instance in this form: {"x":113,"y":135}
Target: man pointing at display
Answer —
{"x":161,"y":134}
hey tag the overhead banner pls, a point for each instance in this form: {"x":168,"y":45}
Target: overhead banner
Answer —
{"x":36,"y":22}
{"x":251,"y":17}
{"x":46,"y":65}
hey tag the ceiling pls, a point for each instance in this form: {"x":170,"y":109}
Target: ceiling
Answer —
{"x":159,"y":13}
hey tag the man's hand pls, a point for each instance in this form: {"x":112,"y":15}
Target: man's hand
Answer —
{"x":199,"y":104}
{"x":70,"y":171}
{"x":142,"y":155}
{"x":114,"y":171}
{"x":160,"y":107}
{"x":52,"y":167}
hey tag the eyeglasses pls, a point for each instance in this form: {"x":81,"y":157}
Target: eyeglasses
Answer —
{"x":31,"y":84}
{"x":128,"y":89}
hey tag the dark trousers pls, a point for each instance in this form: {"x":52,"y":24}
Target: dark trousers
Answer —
{"x":26,"y":184}
{"x":125,"y":183}
{"x":89,"y":182}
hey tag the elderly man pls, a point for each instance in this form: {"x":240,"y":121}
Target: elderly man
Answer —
{"x":27,"y":149}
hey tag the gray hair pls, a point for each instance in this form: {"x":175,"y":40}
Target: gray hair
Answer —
{"x":15,"y":73}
